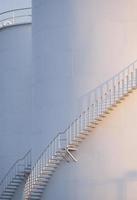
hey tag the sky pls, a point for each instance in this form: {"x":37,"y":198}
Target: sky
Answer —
{"x":12,"y":4}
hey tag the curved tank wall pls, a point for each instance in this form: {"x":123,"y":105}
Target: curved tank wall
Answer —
{"x":15,"y":90}
{"x":76,"y":46}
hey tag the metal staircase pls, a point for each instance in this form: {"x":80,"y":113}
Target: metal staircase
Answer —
{"x":101,"y":101}
{"x":15,"y":176}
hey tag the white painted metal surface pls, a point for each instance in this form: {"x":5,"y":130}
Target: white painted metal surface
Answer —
{"x":15,"y":87}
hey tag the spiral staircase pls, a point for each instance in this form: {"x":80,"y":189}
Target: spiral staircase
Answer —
{"x":101,"y":101}
{"x":16,"y":175}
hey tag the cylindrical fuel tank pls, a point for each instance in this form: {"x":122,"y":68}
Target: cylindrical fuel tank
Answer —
{"x":77,"y":45}
{"x":15,"y":86}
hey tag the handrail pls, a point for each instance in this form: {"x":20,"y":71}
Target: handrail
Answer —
{"x":19,"y":166}
{"x":16,"y":9}
{"x":117,"y":74}
{"x":100,"y":100}
{"x":15,"y":17}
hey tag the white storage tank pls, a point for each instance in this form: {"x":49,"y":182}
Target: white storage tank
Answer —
{"x":76,"y":46}
{"x":15,"y":86}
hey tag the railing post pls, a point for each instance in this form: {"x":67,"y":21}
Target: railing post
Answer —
{"x":132,"y":82}
{"x":75,"y":129}
{"x":70,"y":139}
{"x":105,"y":103}
{"x":122,"y":87}
{"x":118,"y":89}
{"x":110,"y":96}
{"x":136,"y":77}
{"x":96,"y":108}
{"x":127,"y":81}
{"x":13,"y":17}
{"x":101,"y":105}
{"x":88,"y":116}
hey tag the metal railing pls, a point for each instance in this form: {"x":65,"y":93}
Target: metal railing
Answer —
{"x":100,"y":100}
{"x":19,"y":167}
{"x":15,"y":17}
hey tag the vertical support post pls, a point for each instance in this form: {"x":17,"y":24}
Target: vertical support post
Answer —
{"x":76,"y":128}
{"x":88,"y":116}
{"x":83,"y":120}
{"x":101,"y":105}
{"x":13,"y":17}
{"x":105,"y":103}
{"x":80,"y":123}
{"x":136,"y":77}
{"x":114,"y":91}
{"x":127,"y":82}
{"x":118,"y":89}
{"x":92,"y":112}
{"x":132,"y":82}
{"x":96,"y":108}
{"x":69,"y":134}
{"x":110,"y":97}
{"x":122,"y":87}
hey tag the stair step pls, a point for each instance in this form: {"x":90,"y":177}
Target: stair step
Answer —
{"x":38,"y":187}
{"x":12,"y":186}
{"x":134,"y":87}
{"x":7,"y":195}
{"x":18,"y":178}
{"x":98,"y":118}
{"x":9,"y":191}
{"x":72,"y":148}
{"x":118,"y":101}
{"x":60,"y":151}
{"x":34,"y":193}
{"x":56,"y":161}
{"x":55,"y":165}
{"x":43,"y":178}
{"x":49,"y":167}
{"x":130,"y":91}
{"x":122,"y":98}
{"x":84,"y":133}
{"x":94,"y":123}
{"x":126,"y":94}
{"x":16,"y":181}
{"x":88,"y":129}
{"x":39,"y":184}
{"x":114,"y":105}
{"x":111,"y":108}
{"x":81,"y":136}
{"x":77,"y":139}
{"x":56,"y":157}
{"x":48,"y":170}
{"x":33,"y":198}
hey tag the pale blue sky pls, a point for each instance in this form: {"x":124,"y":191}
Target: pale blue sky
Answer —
{"x":12,"y":4}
